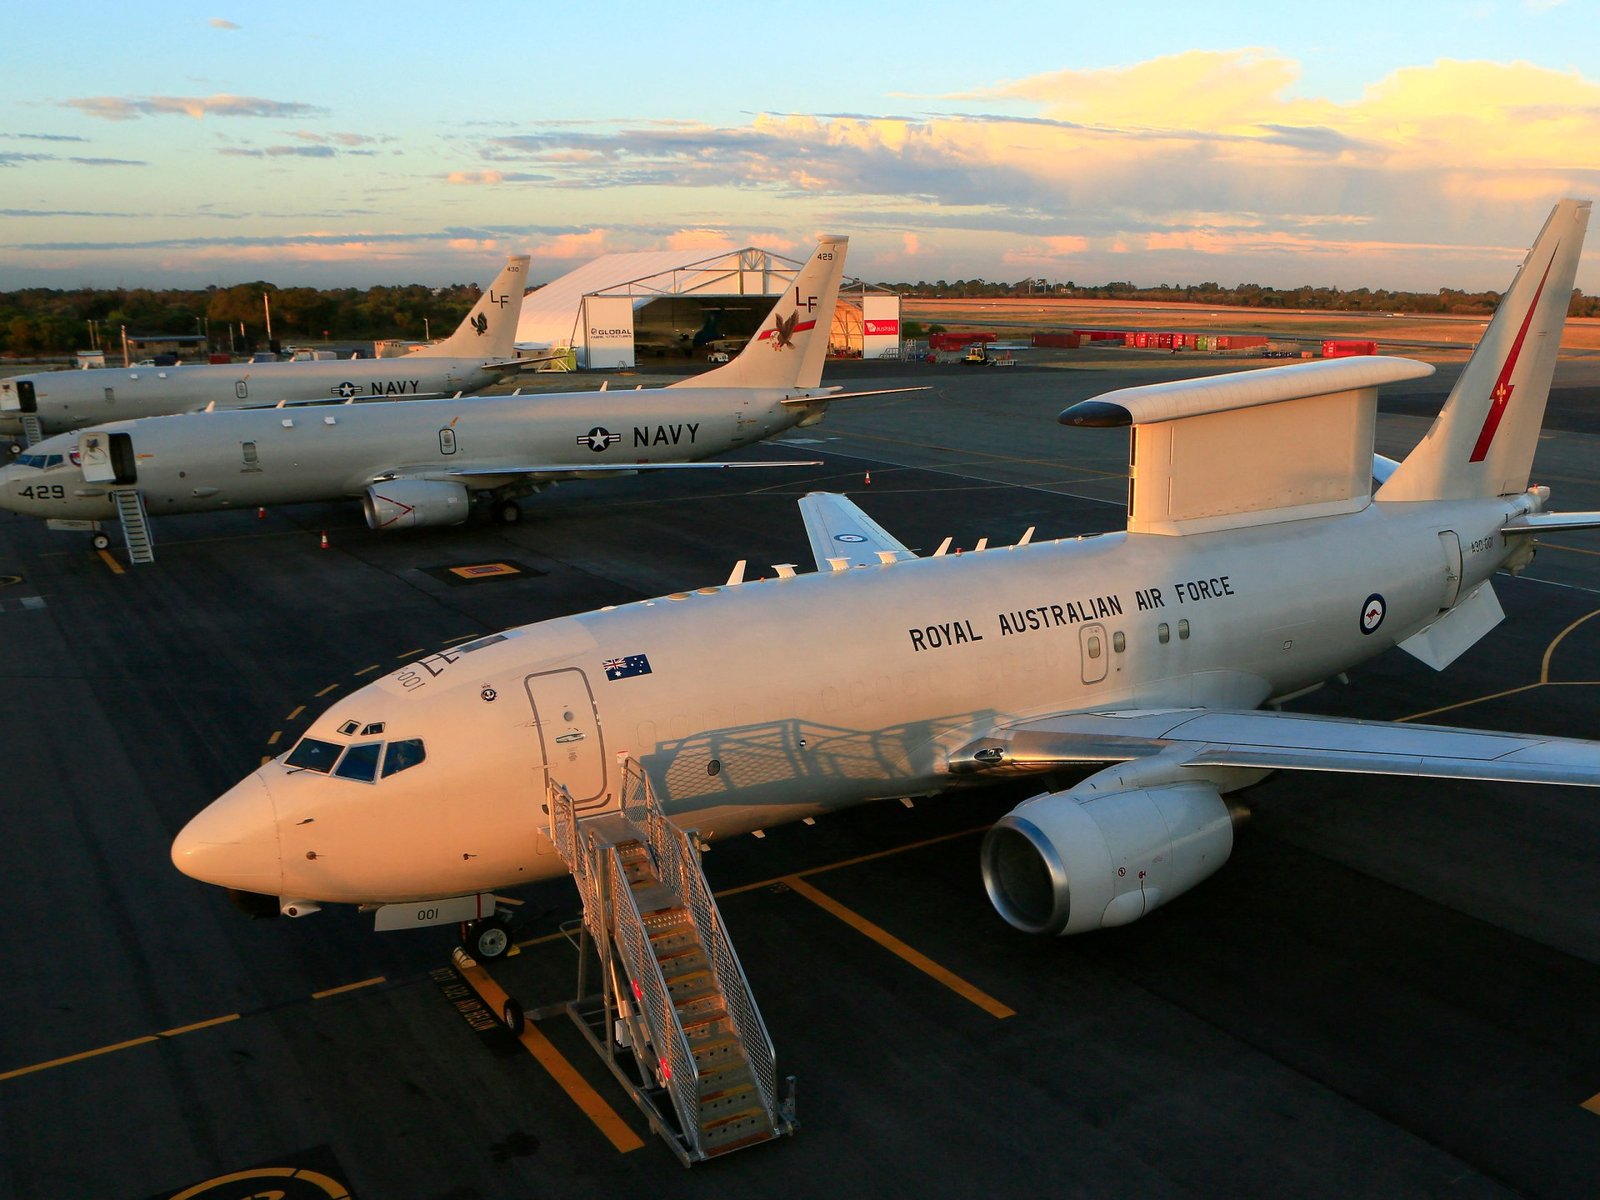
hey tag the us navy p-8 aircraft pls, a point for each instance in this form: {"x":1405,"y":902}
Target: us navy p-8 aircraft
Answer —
{"x":1141,"y":659}
{"x":423,"y":462}
{"x":479,"y":353}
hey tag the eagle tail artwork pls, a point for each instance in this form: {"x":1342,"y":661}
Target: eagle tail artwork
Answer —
{"x":783,"y":331}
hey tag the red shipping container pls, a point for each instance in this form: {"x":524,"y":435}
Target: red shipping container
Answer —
{"x":1346,"y":349}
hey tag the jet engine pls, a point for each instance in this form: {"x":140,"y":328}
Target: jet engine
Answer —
{"x":407,"y":503}
{"x":1069,"y":862}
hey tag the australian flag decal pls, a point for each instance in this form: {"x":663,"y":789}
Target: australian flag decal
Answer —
{"x":623,"y":668}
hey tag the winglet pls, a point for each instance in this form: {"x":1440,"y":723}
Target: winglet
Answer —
{"x":839,"y":531}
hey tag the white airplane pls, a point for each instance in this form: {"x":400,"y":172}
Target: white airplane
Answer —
{"x":1140,"y":658}
{"x":479,"y":353}
{"x":423,"y":462}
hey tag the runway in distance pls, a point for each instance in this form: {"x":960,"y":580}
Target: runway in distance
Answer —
{"x":479,"y":353}
{"x":424,"y":462}
{"x":1137,"y":662}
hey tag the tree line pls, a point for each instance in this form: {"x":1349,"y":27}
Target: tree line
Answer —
{"x":57,"y":321}
{"x":36,"y":321}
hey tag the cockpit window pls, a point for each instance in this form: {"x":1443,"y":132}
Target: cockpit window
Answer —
{"x":349,"y":727}
{"x":314,"y":755}
{"x":360,"y":762}
{"x":372,"y":730}
{"x":481,"y":643}
{"x":403,"y":754}
{"x":38,"y":461}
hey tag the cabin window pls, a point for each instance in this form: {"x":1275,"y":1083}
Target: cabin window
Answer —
{"x":1183,"y":629}
{"x":1119,"y":643}
{"x":447,"y":441}
{"x":241,"y":389}
{"x":402,"y":755}
{"x":247,"y":451}
{"x":1163,"y":633}
{"x":360,"y":762}
{"x":111,"y":396}
{"x":311,"y":754}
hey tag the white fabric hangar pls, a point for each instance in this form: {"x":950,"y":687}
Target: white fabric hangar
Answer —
{"x":622,"y":310}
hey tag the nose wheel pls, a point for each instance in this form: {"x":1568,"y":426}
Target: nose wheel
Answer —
{"x":486,"y":939}
{"x":101,"y":541}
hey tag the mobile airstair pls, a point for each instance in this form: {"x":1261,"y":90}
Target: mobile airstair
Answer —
{"x":673,"y":1018}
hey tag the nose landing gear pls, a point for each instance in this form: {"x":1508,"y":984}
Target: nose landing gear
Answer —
{"x":487,"y":938}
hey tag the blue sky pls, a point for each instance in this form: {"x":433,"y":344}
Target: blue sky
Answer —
{"x":1395,"y":145}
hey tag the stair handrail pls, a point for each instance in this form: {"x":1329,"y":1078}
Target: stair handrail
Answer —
{"x":676,"y":1069}
{"x":680,"y":868}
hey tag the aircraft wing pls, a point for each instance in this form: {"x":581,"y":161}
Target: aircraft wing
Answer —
{"x":1281,"y":741}
{"x":829,"y":395}
{"x":841,"y":532}
{"x":585,"y":470}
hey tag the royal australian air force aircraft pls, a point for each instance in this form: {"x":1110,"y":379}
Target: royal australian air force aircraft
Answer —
{"x":480,"y":352}
{"x":422,"y":462}
{"x":1140,"y":659}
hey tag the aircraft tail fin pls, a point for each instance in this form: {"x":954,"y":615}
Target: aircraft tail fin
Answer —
{"x":490,"y":330}
{"x":789,"y":348}
{"x":1483,"y":440}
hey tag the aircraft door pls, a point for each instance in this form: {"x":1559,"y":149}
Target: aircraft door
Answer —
{"x":1096,"y":652}
{"x":1451,"y":545}
{"x":26,"y":399}
{"x":107,"y":458}
{"x":567,"y":728}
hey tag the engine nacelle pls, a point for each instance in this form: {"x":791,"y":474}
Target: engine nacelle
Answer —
{"x":406,"y":503}
{"x":1066,"y":862}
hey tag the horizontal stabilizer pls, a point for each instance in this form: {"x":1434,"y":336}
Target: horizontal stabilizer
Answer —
{"x":1282,"y":741}
{"x":841,"y":533}
{"x":1551,"y":522}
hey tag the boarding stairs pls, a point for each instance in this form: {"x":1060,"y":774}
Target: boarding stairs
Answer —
{"x":135,"y":524}
{"x":673,"y":996}
{"x":32,"y":430}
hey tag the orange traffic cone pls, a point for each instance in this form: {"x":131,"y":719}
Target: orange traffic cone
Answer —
{"x":324,"y":539}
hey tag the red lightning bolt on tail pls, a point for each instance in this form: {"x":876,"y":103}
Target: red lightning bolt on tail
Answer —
{"x":1503,"y":388}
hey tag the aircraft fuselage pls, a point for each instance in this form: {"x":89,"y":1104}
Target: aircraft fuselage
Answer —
{"x":67,"y":400}
{"x":755,"y":704}
{"x":201,"y":462}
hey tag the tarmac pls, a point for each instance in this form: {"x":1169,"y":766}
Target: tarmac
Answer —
{"x":1393,"y":988}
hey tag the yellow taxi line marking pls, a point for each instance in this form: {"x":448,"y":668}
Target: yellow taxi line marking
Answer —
{"x":1549,"y":652}
{"x":116,"y":567}
{"x":1556,"y":546}
{"x":72,"y":1058}
{"x":1433,"y":712}
{"x":349,"y":987}
{"x":167,"y":1033}
{"x":967,"y":991}
{"x":298,"y":709}
{"x":276,"y":734}
{"x":1592,"y":1104}
{"x":265,"y":759}
{"x":412,"y":653}
{"x":588,"y":1100}
{"x":369,"y":670}
{"x":326,"y":690}
{"x":465,"y":637}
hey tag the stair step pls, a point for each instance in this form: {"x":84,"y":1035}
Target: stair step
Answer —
{"x":729,"y":1078}
{"x":692,"y":985}
{"x":737,"y":1097}
{"x":743,"y":1127}
{"x":697,"y":1016}
{"x":715,"y":1048}
{"x":683,"y":959}
{"x":728,"y":1147}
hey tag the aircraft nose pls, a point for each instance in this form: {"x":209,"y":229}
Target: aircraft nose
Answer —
{"x":233,"y":841}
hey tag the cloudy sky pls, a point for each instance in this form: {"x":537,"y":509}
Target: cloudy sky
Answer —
{"x":1408,"y":145}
